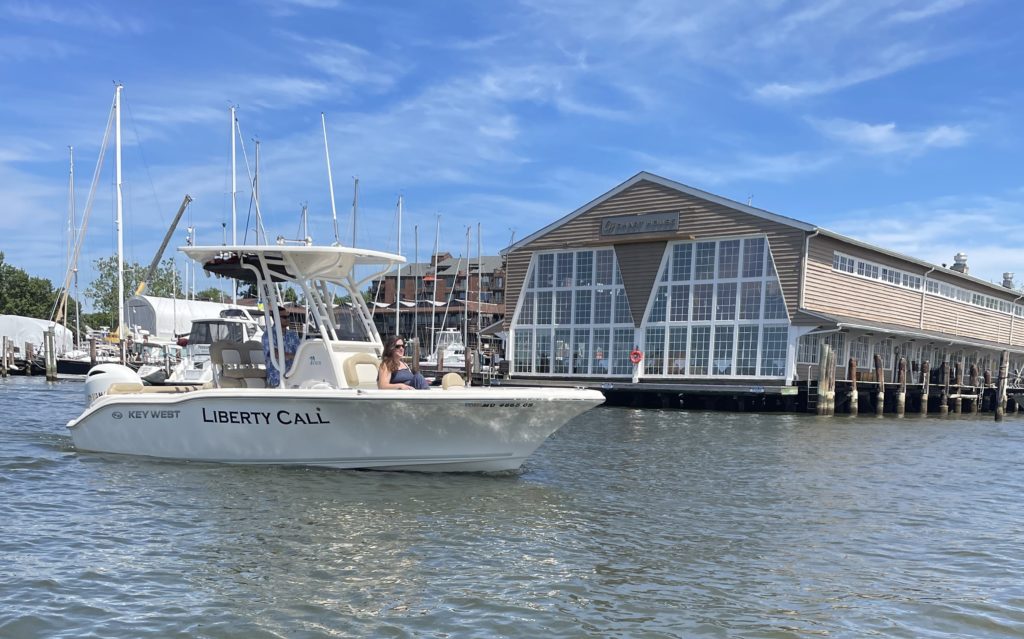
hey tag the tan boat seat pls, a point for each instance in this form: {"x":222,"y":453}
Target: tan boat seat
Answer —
{"x":452,"y":380}
{"x":361,"y":370}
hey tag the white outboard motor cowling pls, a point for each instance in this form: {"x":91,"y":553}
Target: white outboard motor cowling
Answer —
{"x":101,"y":377}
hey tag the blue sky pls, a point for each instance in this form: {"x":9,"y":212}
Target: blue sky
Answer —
{"x":896,"y":122}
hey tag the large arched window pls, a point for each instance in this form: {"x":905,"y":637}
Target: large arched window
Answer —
{"x":717,"y":311}
{"x":573,"y":317}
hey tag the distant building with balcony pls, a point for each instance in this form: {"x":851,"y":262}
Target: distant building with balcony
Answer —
{"x":438,"y":294}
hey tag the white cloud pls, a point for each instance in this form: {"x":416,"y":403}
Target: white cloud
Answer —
{"x":744,"y":167}
{"x":935,"y":230}
{"x":23,"y":48}
{"x":932,"y":9}
{"x":887,"y":139}
{"x":884,"y":63}
{"x":77,"y":16}
{"x":346,"y":63}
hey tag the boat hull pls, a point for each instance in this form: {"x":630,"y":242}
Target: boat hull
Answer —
{"x":436,"y":430}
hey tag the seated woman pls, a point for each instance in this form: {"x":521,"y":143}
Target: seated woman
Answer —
{"x":393,"y":373}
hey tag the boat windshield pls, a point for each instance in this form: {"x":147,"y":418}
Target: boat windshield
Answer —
{"x":350,"y":327}
{"x":210,"y":332}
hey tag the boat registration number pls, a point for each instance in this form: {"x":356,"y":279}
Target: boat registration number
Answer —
{"x":500,"y":404}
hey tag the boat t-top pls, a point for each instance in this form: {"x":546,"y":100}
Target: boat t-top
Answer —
{"x":327,"y":409}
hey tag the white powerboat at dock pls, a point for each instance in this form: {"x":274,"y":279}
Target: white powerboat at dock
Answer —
{"x":327,"y":410}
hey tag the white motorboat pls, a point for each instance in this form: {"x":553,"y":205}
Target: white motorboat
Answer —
{"x":194,"y":365}
{"x":327,"y":410}
{"x":449,"y":351}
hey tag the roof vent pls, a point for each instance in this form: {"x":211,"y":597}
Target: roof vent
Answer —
{"x":960,"y":263}
{"x":1008,"y":280}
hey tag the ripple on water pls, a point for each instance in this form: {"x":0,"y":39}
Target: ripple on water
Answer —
{"x":625,"y":523}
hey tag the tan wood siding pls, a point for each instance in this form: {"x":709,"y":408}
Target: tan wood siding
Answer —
{"x":698,"y":218}
{"x":517,"y":264}
{"x":638,"y":264}
{"x":836,"y":293}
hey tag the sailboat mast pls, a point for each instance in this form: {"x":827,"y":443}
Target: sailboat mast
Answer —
{"x":234,"y":200}
{"x":330,"y":180}
{"x":465,"y":307}
{"x":479,"y":287}
{"x":355,"y":207}
{"x":398,"y":275}
{"x":71,"y":206}
{"x":256,"y":189}
{"x":119,"y":225}
{"x":71,"y":264}
{"x":433,"y":296}
{"x":416,"y":283}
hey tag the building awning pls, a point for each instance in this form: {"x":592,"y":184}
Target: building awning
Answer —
{"x":824,"y":322}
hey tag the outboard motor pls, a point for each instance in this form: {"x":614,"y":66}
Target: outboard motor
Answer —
{"x":101,"y":377}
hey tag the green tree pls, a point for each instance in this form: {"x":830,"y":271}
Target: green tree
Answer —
{"x":103,"y":290}
{"x":366,"y":294}
{"x":213,"y":294}
{"x":22,"y":294}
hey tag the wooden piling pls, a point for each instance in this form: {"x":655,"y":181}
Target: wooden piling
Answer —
{"x":925,"y":383}
{"x":851,"y":371}
{"x":958,"y":400}
{"x":415,"y":355}
{"x":901,"y":394}
{"x":30,"y":354}
{"x":880,"y":379}
{"x":92,"y":351}
{"x":824,"y":357}
{"x":1004,"y":373}
{"x":468,"y":353}
{"x":830,"y":391}
{"x":4,"y":364}
{"x":944,"y":388}
{"x":51,"y":355}
{"x":972,"y":380}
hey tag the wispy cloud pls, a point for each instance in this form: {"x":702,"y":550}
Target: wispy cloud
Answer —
{"x":80,"y":16}
{"x":283,"y":8}
{"x":930,"y":10}
{"x":23,"y":48}
{"x":348,"y":64}
{"x":887,"y":62}
{"x":937,"y":229}
{"x":888,"y":139}
{"x":745,"y":167}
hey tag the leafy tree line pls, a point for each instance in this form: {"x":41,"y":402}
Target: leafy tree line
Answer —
{"x":25,"y":295}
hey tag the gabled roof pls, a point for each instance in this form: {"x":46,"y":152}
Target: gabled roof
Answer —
{"x":644,"y":176}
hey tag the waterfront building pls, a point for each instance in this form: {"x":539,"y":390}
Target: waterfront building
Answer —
{"x":715,"y":292}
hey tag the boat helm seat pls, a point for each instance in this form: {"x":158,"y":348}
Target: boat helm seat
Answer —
{"x":452,"y":380}
{"x":361,"y":370}
{"x":234,"y":366}
{"x":254,"y":348}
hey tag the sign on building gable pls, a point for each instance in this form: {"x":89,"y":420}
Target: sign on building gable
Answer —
{"x":645,"y":223}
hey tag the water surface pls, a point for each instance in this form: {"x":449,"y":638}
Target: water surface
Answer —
{"x":626,"y":523}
